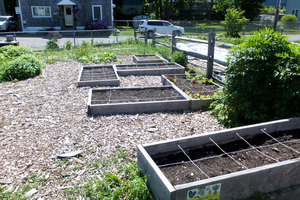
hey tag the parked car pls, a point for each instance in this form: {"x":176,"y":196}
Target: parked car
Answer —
{"x":162,"y":27}
{"x":7,"y":23}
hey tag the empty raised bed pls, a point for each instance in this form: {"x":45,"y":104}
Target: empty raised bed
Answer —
{"x":135,"y":100}
{"x":148,"y":59}
{"x":229,"y":164}
{"x":198,"y":88}
{"x":104,"y":75}
{"x":149,"y":69}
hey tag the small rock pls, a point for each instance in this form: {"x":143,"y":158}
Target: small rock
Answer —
{"x":70,"y":154}
{"x":130,"y":134}
{"x":30,"y":193}
{"x":151,"y":126}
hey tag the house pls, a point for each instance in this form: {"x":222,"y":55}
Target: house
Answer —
{"x":293,"y":7}
{"x":63,"y":14}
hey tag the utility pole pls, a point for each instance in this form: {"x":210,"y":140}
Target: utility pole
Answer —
{"x":276,"y":15}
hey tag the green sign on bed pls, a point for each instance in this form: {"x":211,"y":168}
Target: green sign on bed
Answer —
{"x":209,"y":192}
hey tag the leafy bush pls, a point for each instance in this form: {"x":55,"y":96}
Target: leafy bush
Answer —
{"x":263,"y":81}
{"x":289,"y":18}
{"x":14,"y":51}
{"x":234,"y":22}
{"x":23,"y":67}
{"x":180,"y":58}
{"x":52,"y":45}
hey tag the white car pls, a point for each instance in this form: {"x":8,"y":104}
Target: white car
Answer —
{"x":7,"y":23}
{"x":162,"y":27}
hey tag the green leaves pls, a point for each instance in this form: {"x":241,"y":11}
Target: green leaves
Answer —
{"x":180,"y":58}
{"x":263,"y":81}
{"x":234,"y":22}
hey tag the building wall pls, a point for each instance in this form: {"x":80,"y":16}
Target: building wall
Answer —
{"x":82,"y":17}
{"x":274,"y":2}
{"x":293,"y":5}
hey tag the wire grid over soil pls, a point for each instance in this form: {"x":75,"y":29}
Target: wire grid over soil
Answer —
{"x":147,"y":66}
{"x":97,"y":73}
{"x":192,"y":86}
{"x":189,"y":166}
{"x":147,"y":57}
{"x":135,"y":95}
{"x":46,"y":116}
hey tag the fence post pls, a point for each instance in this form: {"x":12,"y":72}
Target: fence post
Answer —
{"x":116,"y":33}
{"x":134,"y":32}
{"x":74,"y":39}
{"x":154,"y":37}
{"x":146,"y":35}
{"x":210,"y":54}
{"x":173,"y":42}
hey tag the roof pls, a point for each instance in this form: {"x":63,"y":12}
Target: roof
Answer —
{"x":66,"y":3}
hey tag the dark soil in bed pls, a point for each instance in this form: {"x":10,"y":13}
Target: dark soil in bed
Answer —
{"x":196,"y":89}
{"x":97,"y":73}
{"x":149,"y":66}
{"x":212,"y":161}
{"x":135,"y":95}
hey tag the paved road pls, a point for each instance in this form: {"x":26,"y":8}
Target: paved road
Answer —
{"x":40,"y":42}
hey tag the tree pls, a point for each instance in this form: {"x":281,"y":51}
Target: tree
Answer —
{"x":234,"y":22}
{"x":221,"y":6}
{"x":251,"y":8}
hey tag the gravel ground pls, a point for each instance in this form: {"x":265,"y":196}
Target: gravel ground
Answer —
{"x":46,"y":116}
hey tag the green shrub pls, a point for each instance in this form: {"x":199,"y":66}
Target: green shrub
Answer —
{"x":289,"y":21}
{"x":263,"y":81}
{"x":289,"y":18}
{"x":234,"y":22}
{"x":180,"y":58}
{"x":23,"y":67}
{"x":52,"y":45}
{"x":85,"y":55}
{"x":14,"y":51}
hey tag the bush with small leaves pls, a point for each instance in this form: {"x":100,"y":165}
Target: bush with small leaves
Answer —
{"x":289,"y":20}
{"x":23,"y":67}
{"x":180,"y":58}
{"x":14,"y":51}
{"x":68,"y":45}
{"x":263,"y":81}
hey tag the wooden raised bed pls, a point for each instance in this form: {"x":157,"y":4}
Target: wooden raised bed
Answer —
{"x":135,"y":100}
{"x":150,"y":69}
{"x":228,"y":164}
{"x":197,"y":91}
{"x":148,"y":59}
{"x":103,"y":75}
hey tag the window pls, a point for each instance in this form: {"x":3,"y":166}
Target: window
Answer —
{"x":97,"y":12}
{"x":41,"y":11}
{"x":295,"y":12}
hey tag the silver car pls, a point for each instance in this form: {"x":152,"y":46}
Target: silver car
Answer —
{"x":7,"y":23}
{"x":162,"y":27}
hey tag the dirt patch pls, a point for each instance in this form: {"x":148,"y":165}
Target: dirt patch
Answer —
{"x":135,"y":95}
{"x":98,"y":73}
{"x":214,"y":162}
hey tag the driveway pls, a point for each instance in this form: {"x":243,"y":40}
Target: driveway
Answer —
{"x":40,"y":42}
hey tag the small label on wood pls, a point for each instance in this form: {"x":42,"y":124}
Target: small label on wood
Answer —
{"x":209,"y":192}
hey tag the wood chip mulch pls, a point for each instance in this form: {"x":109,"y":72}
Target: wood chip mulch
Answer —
{"x":47,"y":115}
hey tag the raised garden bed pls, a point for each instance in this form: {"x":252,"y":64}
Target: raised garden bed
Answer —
{"x":135,"y":100}
{"x":104,"y":75}
{"x":148,"y":59}
{"x":229,"y":164}
{"x":198,"y":89}
{"x":149,"y":69}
